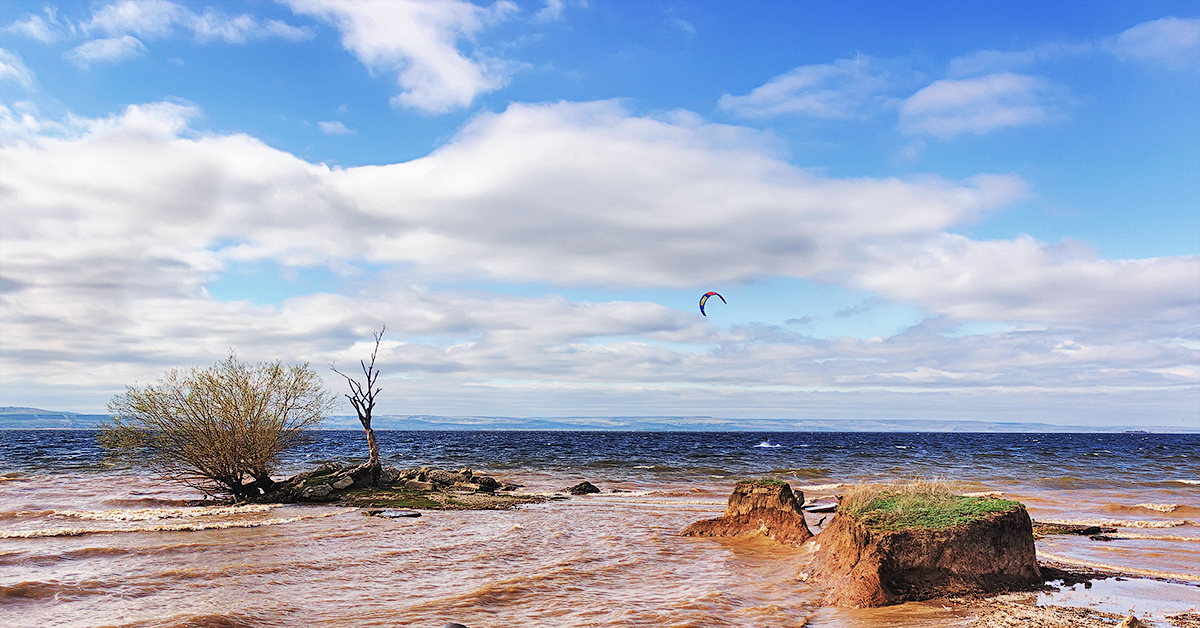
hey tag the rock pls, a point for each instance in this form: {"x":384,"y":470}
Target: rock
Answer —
{"x":860,"y":566}
{"x":759,"y":507}
{"x":465,"y":487}
{"x":1132,"y":622}
{"x":443,"y":478}
{"x":1102,"y":537}
{"x":343,"y":483}
{"x":398,"y":514}
{"x":389,"y":475}
{"x":486,"y":483}
{"x":1042,"y":529}
{"x":583,"y":488}
{"x":417,"y":485}
{"x":316,"y":492}
{"x":466,"y":472}
{"x":510,"y":487}
{"x":453,"y":625}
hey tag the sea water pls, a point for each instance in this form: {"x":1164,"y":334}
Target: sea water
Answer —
{"x":84,"y":542}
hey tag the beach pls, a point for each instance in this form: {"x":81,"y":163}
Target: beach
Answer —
{"x":84,"y":544}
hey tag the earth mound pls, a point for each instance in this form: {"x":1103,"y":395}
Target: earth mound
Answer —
{"x":891,"y":546}
{"x":759,"y":507}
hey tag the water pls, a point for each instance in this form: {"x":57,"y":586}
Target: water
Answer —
{"x":87,"y":543}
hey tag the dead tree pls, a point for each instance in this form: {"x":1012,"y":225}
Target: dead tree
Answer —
{"x":362,"y":397}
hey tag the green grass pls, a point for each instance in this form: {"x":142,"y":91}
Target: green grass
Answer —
{"x":927,"y":505}
{"x":763,"y":482}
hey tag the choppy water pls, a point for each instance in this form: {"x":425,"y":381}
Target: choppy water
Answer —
{"x":84,"y":543}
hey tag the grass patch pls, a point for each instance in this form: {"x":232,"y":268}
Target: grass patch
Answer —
{"x":763,"y":482}
{"x":374,"y":498}
{"x":922,"y":504}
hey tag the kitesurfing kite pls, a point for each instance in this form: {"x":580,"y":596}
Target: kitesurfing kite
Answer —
{"x":704,"y":299}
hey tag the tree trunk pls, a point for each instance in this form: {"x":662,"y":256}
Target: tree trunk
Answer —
{"x":373,"y":464}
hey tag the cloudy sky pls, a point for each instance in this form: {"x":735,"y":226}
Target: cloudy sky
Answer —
{"x":943,"y":210}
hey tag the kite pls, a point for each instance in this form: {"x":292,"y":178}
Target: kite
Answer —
{"x":704,"y":299}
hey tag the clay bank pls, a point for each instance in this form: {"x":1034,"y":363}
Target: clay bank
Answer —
{"x":890,"y":544}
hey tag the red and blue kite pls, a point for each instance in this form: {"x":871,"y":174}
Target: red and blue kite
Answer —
{"x":704,"y":299}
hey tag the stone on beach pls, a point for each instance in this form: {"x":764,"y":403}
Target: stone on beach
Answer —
{"x":583,"y":488}
{"x":759,"y":507}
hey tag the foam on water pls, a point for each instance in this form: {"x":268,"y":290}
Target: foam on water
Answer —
{"x":166,"y":527}
{"x":154,"y":514}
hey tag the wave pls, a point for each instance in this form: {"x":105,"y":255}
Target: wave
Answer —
{"x":1156,"y":537}
{"x":156,"y":514}
{"x":1120,"y":523}
{"x":1133,"y":570}
{"x":817,"y":488}
{"x":174,"y":527}
{"x":1192,"y":482}
{"x":1172,"y":510}
{"x":807,"y":473}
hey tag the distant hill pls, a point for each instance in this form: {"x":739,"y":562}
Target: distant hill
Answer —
{"x":36,"y":418}
{"x":14,"y":417}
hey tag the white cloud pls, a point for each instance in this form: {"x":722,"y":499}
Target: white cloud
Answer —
{"x":13,"y":69}
{"x":36,"y":27}
{"x":1170,"y":41}
{"x":146,"y":18}
{"x":111,"y":50}
{"x":835,"y":91}
{"x":948,"y":108}
{"x":993,"y":61}
{"x":419,"y":41}
{"x":334,"y":128}
{"x":111,"y":234}
{"x":239,"y":29}
{"x":157,"y":19}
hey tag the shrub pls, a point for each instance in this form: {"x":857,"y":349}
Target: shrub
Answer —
{"x":220,"y":429}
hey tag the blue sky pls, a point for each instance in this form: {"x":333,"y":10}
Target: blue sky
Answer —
{"x":915,"y":209}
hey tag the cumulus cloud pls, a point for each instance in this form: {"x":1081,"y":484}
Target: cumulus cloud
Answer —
{"x":835,"y":91}
{"x":108,"y":50}
{"x":949,"y":108}
{"x":1171,"y":42}
{"x":112,"y":232}
{"x":13,"y":69}
{"x":419,"y":41}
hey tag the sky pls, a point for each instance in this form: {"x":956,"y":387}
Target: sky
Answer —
{"x":914,"y":210}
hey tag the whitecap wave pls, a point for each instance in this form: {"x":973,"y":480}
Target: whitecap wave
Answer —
{"x":158,"y":514}
{"x":1192,"y":482}
{"x":820,"y":487}
{"x":1119,"y":568}
{"x":170,"y":527}
{"x":1121,"y":523}
{"x":1159,"y":507}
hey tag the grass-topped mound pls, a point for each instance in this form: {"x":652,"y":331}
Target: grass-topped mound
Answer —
{"x":896,"y":542}
{"x":925,"y":505}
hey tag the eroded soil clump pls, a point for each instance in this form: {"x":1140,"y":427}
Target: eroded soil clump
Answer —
{"x":890,"y":546}
{"x":759,"y":507}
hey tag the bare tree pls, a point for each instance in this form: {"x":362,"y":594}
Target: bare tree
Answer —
{"x":220,"y":429}
{"x":362,"y":397}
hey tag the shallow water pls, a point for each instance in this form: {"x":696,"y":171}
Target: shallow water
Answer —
{"x":86,"y":544}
